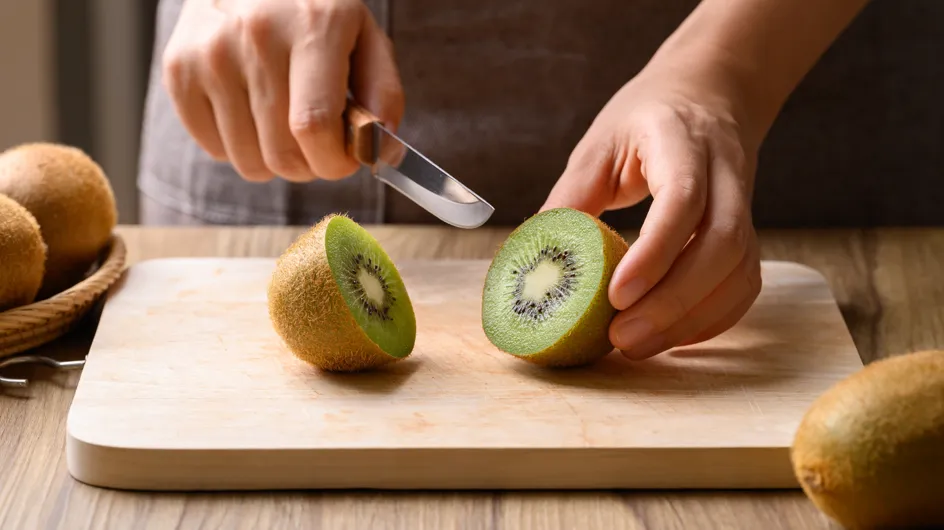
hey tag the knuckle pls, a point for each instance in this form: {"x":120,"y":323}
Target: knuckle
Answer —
{"x":655,"y":114}
{"x":732,"y":234}
{"x":590,"y":155}
{"x":390,"y":93}
{"x":257,"y":27}
{"x":311,"y":121}
{"x":216,"y":54}
{"x":173,"y":69}
{"x":318,"y":16}
{"x":284,"y":161}
{"x":687,"y":188}
{"x":673,"y":307}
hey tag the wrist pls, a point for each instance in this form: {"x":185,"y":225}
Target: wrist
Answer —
{"x":755,"y":52}
{"x":720,"y":81}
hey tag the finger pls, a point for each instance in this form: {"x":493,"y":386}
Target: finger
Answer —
{"x":318,"y":78}
{"x":717,"y":249}
{"x":266,"y":66}
{"x":375,"y":79}
{"x":676,"y":166}
{"x":725,"y":323}
{"x":191,"y":103}
{"x":717,"y":313}
{"x":230,"y":102}
{"x":585,"y":184}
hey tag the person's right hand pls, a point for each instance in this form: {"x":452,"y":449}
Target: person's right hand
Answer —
{"x":263,"y":84}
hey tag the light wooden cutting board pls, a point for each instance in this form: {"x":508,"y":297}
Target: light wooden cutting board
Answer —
{"x":188,"y":387}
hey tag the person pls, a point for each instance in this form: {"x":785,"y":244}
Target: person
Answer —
{"x":243,"y":125}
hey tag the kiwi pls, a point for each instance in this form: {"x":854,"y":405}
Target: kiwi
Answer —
{"x":545,"y":296}
{"x":71,"y":199}
{"x":869,"y":452}
{"x":338,"y":301}
{"x":22,"y":255}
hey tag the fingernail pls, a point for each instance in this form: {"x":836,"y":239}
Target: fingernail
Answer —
{"x":645,"y":349}
{"x":630,"y":293}
{"x":630,"y":333}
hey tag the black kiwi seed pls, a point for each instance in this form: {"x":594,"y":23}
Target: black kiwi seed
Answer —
{"x":358,"y":263}
{"x":554,"y":297}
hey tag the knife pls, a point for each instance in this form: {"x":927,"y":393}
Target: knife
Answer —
{"x":394,"y":162}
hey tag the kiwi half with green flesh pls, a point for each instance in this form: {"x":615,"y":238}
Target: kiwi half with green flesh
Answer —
{"x":545,"y":296}
{"x":338,"y":301}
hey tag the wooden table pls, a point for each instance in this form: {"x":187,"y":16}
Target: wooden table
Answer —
{"x":888,"y":282}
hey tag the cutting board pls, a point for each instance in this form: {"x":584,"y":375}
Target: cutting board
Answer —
{"x":187,"y":387}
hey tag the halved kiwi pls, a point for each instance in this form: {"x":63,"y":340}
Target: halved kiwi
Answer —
{"x":545,"y":297}
{"x":338,"y":301}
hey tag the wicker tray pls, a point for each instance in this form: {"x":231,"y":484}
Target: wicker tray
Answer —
{"x":29,"y":326}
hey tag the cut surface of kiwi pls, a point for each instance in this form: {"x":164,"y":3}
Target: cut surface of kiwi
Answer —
{"x":371,"y":286}
{"x":545,"y":295}
{"x":338,"y":301}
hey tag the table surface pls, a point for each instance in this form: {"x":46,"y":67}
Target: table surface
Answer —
{"x":888,"y":284}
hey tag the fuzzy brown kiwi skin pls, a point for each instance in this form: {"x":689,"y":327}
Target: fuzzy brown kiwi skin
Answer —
{"x":22,"y":255}
{"x":72,"y":200}
{"x":309,"y":313}
{"x":869,"y":452}
{"x":588,"y":340}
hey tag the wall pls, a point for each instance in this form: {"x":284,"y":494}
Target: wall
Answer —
{"x":27,"y":82}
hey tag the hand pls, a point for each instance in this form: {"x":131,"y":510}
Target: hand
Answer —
{"x":263,"y":83}
{"x":677,"y":133}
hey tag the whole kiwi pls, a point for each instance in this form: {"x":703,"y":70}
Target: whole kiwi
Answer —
{"x":22,"y":255}
{"x":870,"y":451}
{"x":70,"y":197}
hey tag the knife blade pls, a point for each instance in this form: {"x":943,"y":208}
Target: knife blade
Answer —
{"x":400,"y":166}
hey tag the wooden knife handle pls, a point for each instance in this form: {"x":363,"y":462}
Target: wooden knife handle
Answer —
{"x":359,"y":141}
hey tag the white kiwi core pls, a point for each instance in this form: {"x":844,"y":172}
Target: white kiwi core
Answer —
{"x":371,"y":286}
{"x":540,"y":281}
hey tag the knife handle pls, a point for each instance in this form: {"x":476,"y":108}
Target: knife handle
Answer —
{"x":359,"y":140}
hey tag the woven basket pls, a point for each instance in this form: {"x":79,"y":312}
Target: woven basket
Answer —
{"x":32,"y":325}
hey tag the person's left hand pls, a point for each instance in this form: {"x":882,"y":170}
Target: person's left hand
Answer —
{"x":694,"y":271}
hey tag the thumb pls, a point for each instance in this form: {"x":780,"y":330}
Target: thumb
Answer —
{"x":587,"y":183}
{"x":375,"y":79}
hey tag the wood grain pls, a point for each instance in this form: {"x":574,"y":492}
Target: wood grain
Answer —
{"x":188,"y":387}
{"x":359,"y":140}
{"x":888,"y":284}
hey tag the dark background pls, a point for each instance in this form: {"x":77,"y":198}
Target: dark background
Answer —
{"x":858,"y":144}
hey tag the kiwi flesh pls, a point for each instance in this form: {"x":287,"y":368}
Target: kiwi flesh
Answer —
{"x":22,"y":255}
{"x":545,"y":296}
{"x":869,"y":452}
{"x":72,"y":200}
{"x":337,"y":300}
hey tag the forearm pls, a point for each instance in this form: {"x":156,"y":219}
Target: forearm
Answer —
{"x":763,"y":47}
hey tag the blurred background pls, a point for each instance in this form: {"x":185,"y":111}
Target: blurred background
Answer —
{"x":860,"y":143}
{"x":75,"y":71}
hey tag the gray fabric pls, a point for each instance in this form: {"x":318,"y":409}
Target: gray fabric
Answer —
{"x":153,"y":213}
{"x":178,"y":175}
